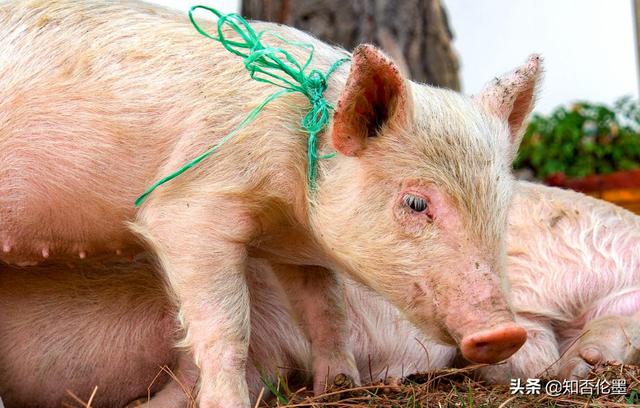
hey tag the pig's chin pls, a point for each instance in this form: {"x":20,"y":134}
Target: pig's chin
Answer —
{"x":426,"y":314}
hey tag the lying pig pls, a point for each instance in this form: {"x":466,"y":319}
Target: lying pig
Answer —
{"x":574,"y":273}
{"x":100,"y":99}
{"x":114,"y":327}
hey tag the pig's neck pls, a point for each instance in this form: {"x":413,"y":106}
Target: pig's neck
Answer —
{"x":293,"y":236}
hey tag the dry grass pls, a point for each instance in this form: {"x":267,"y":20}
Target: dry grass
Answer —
{"x":454,"y":388}
{"x":443,"y":388}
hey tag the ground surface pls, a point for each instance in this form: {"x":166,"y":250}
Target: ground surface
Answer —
{"x":458,"y":388}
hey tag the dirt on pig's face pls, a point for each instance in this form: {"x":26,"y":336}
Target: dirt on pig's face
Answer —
{"x":422,"y":210}
{"x":417,"y":207}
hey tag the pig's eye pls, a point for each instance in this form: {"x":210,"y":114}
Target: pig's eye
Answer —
{"x":417,"y":204}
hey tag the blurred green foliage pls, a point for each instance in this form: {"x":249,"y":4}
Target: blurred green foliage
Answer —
{"x":582,"y":140}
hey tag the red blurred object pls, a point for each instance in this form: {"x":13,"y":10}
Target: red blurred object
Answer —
{"x":621,"y":188}
{"x":597,"y":182}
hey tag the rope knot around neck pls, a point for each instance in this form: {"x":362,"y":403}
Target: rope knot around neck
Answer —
{"x":273,"y":65}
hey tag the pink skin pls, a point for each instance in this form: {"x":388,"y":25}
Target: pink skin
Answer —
{"x":92,"y":112}
{"x":76,"y":327}
{"x":573,"y":270}
{"x":70,"y":321}
{"x":503,"y":339}
{"x":312,"y":299}
{"x":586,"y":297}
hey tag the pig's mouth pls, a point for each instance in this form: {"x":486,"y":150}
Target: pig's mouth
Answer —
{"x":488,"y":346}
{"x":483,"y":328}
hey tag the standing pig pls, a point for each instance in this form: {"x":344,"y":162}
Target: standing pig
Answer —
{"x":99,"y":99}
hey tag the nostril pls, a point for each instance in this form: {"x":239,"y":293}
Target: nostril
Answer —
{"x":494,"y":345}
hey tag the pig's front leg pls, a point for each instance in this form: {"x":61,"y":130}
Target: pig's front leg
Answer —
{"x":606,"y":339}
{"x":201,"y":246}
{"x":534,"y":359}
{"x":318,"y":301}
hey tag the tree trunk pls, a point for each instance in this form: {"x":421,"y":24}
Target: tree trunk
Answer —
{"x":415,"y":33}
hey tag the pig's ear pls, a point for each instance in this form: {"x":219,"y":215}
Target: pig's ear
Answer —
{"x":374,"y":94}
{"x":512,"y":96}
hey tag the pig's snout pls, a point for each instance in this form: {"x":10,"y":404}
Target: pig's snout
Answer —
{"x":493,"y":345}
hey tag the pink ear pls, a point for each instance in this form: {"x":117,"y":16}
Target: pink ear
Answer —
{"x":375,"y":92}
{"x":512,"y":96}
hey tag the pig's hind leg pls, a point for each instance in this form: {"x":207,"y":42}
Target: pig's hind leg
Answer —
{"x":613,"y":336}
{"x":607,"y":339}
{"x":73,"y":328}
{"x":317,"y":296}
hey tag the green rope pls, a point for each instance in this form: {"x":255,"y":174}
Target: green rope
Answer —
{"x":276,"y":66}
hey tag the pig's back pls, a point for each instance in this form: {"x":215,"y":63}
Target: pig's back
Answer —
{"x":571,"y":256}
{"x":98,"y":100}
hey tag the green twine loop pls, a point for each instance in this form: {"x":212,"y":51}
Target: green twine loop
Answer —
{"x":276,"y":66}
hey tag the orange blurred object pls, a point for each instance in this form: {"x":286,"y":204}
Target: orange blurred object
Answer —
{"x":621,"y":188}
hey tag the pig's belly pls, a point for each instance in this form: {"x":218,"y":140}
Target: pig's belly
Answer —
{"x":63,"y":219}
{"x":76,"y":328}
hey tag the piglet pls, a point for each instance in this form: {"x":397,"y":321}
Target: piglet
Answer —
{"x":100,"y":99}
